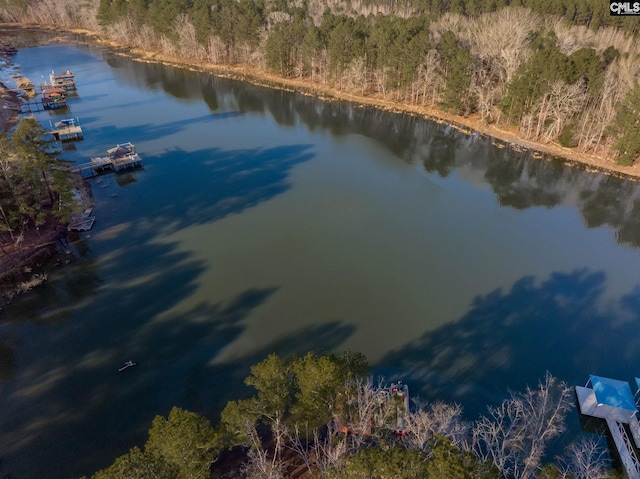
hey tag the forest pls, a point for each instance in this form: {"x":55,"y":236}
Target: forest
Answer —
{"x":36,"y":188}
{"x":562,"y":72}
{"x":323,"y":416}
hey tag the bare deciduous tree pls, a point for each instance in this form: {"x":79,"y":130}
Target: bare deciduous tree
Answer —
{"x":514,"y":435}
{"x":187,"y":39}
{"x":265,"y":462}
{"x":425,"y":421}
{"x":586,"y":459}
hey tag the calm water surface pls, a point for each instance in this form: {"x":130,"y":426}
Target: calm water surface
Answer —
{"x":266,"y":221}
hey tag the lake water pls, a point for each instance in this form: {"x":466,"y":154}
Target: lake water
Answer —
{"x":267,"y":221}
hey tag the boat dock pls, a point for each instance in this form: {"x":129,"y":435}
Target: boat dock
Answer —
{"x":613,"y":401}
{"x":51,"y":99}
{"x":64,"y":80}
{"x":54,"y":93}
{"x":79,"y":224}
{"x":121,"y":157}
{"x":83,"y":222}
{"x":66,"y":130}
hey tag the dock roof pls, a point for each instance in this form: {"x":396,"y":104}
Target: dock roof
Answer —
{"x":613,"y":392}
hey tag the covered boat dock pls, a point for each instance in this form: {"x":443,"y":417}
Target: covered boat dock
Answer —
{"x":66,"y":130}
{"x":118,"y":158}
{"x":613,"y":401}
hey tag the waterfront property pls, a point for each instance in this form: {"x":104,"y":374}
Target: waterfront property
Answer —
{"x":121,"y":157}
{"x":613,"y":401}
{"x":430,"y":252}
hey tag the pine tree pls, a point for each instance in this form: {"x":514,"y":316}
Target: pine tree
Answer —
{"x":626,"y":127}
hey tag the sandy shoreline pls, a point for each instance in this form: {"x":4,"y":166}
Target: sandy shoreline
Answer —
{"x":503,"y":134}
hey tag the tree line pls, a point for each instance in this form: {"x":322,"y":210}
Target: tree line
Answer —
{"x":559,"y":71}
{"x":324,"y":417}
{"x":35,"y":186}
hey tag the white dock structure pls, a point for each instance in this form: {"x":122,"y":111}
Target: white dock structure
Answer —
{"x":64,"y":80}
{"x":118,"y":158}
{"x":613,"y":401}
{"x":66,"y":130}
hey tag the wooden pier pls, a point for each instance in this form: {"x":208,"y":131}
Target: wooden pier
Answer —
{"x":31,"y":106}
{"x":48,"y":103}
{"x":121,"y":157}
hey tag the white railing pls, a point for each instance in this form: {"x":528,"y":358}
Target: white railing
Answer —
{"x":630,"y":460}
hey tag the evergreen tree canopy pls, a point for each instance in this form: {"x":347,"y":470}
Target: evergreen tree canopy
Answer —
{"x":626,"y":128}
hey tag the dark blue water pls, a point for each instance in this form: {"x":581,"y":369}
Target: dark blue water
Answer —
{"x":266,"y":221}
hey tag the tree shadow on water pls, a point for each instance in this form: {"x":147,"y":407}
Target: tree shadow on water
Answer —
{"x":221,"y":182}
{"x":78,"y":413}
{"x":206,"y":391}
{"x":508,"y":340}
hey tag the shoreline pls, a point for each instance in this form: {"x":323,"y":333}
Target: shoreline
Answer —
{"x":502,"y":134}
{"x":25,"y":262}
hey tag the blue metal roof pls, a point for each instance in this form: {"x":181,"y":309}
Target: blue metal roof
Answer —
{"x":613,"y":392}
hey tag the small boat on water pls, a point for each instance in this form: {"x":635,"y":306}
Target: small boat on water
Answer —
{"x":128,"y":364}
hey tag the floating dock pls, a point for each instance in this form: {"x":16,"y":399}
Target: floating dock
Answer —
{"x":121,"y":157}
{"x":613,"y":401}
{"x":80,"y":224}
{"x":83,"y":222}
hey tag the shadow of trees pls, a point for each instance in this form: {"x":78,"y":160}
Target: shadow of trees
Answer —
{"x":92,"y":413}
{"x":509,"y":339}
{"x":198,"y":187}
{"x":113,"y":303}
{"x":233,"y":181}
